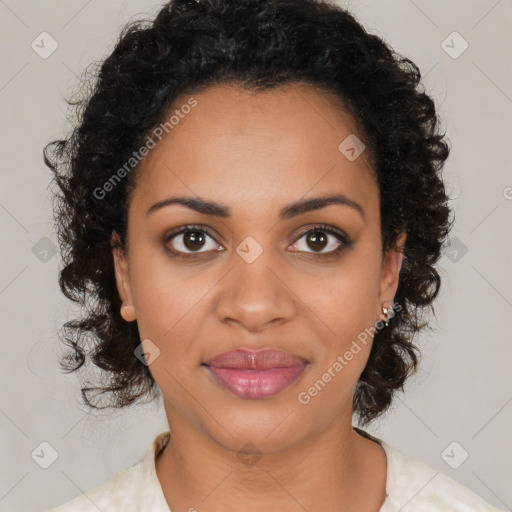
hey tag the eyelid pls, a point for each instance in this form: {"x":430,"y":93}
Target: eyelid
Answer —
{"x":190,"y":227}
{"x":325,"y":227}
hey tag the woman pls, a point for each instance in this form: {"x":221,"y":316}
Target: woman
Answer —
{"x":253,"y":199}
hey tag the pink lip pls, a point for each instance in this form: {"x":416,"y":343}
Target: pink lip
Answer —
{"x":256,"y":374}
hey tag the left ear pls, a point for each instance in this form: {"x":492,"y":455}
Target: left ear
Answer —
{"x":390,"y":271}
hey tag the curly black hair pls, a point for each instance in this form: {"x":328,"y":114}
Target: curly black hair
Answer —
{"x":257,"y":44}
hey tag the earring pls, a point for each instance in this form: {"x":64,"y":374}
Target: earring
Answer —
{"x":387,"y":312}
{"x":128,"y":312}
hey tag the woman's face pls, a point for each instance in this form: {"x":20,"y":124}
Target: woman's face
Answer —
{"x":251,"y":274}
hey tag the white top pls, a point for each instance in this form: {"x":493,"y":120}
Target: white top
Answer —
{"x":411,"y":486}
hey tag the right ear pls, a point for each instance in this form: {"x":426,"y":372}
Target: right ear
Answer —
{"x":122,"y":272}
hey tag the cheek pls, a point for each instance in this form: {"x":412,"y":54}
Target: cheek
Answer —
{"x":349,"y":306}
{"x":167,"y":300}
{"x":349,"y":301}
{"x":349,"y":310}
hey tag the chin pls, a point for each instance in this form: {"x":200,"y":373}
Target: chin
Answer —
{"x":269,"y":425}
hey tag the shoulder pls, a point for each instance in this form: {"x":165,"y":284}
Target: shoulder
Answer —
{"x":131,"y":490}
{"x":117,"y":493}
{"x":415,"y":486}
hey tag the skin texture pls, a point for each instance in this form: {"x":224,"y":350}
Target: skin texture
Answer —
{"x":256,"y":153}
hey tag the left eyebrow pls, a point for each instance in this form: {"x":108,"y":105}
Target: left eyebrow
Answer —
{"x":299,"y":207}
{"x":317,"y":203}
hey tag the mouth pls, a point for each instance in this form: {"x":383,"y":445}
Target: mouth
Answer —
{"x":256,"y":374}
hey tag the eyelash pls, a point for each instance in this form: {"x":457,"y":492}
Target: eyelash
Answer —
{"x":345,"y":242}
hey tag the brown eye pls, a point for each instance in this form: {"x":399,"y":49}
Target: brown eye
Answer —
{"x":190,"y":240}
{"x":193,"y":240}
{"x":320,"y":238}
{"x":316,"y":240}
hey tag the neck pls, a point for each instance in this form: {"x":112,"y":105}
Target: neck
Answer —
{"x":336,"y":469}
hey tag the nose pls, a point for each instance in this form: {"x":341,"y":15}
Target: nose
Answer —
{"x":256,"y":295}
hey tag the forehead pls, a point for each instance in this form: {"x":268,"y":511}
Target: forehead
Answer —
{"x":245,"y":146}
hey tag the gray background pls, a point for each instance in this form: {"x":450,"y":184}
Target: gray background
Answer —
{"x":463,"y":391}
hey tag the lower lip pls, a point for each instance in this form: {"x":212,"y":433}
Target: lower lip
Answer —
{"x":256,"y":384}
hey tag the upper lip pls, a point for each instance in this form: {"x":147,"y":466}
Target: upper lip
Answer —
{"x":257,"y":360}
